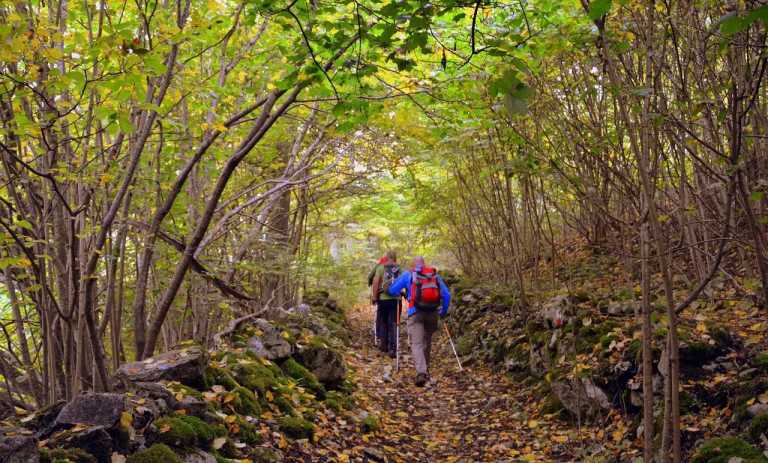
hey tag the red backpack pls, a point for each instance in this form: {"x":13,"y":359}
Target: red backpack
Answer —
{"x":425,"y":289}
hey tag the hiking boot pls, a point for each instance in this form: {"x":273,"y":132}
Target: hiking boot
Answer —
{"x":421,"y":379}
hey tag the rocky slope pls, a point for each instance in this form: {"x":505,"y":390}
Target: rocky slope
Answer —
{"x":579,"y":350}
{"x":260,"y":395}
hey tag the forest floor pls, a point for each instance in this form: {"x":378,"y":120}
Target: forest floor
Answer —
{"x":464,"y":416}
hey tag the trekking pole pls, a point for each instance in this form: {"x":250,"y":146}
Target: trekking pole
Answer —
{"x":375,"y":315}
{"x":397,"y":336}
{"x":453,"y":346}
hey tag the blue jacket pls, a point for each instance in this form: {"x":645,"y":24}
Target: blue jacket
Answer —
{"x":404,"y":282}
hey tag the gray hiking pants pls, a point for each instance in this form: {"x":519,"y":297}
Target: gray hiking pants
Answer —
{"x":421,"y":327}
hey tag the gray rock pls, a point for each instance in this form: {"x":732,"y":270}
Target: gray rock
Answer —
{"x":555,"y":310}
{"x":199,"y":456}
{"x":96,"y":440}
{"x":623,"y":307}
{"x":513,"y":365}
{"x":44,"y":418}
{"x":757,"y":409}
{"x":265,"y":455}
{"x":183,"y":365}
{"x":582,"y":397}
{"x":325,"y":363}
{"x":19,"y":449}
{"x":93,"y":409}
{"x":270,"y":343}
{"x":539,"y":360}
{"x":303,"y":309}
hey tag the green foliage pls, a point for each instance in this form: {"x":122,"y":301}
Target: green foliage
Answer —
{"x":158,"y":453}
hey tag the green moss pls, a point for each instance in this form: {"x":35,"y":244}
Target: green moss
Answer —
{"x":635,"y":349}
{"x":248,"y":433}
{"x":218,"y":376}
{"x":758,"y":427}
{"x":296,"y":427}
{"x":552,"y":405}
{"x":284,"y":405}
{"x":176,"y":432}
{"x":65,"y":455}
{"x":722,"y":449}
{"x":158,"y":453}
{"x":370,"y":423}
{"x":761,"y":360}
{"x":344,"y":401}
{"x":255,"y":376}
{"x":186,"y":390}
{"x":333,"y":404}
{"x":720,"y":335}
{"x":246,"y":402}
{"x":465,"y":343}
{"x":697,"y":352}
{"x":187,"y":431}
{"x":687,"y":402}
{"x":305,"y":377}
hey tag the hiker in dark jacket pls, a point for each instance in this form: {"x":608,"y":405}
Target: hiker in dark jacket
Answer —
{"x":371,"y":274}
{"x":386,"y":305}
{"x":428,"y":298}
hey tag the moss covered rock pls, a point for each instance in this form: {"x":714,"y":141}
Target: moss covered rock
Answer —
{"x":305,"y":377}
{"x":255,"y":375}
{"x":158,"y":453}
{"x":296,"y":427}
{"x":723,"y":449}
{"x":187,"y":431}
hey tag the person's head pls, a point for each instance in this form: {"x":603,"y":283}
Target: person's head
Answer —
{"x":418,"y":262}
{"x":391,"y":255}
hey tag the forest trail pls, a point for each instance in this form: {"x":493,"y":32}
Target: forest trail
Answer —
{"x":470,"y":416}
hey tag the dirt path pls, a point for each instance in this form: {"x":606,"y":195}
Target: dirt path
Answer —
{"x":470,"y":416}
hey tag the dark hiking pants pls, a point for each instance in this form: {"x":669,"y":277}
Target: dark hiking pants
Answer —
{"x":386,"y":317}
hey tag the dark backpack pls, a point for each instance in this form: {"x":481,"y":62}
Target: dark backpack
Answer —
{"x":425,"y":289}
{"x":391,"y":272}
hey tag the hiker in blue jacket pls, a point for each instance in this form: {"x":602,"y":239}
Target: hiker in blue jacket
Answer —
{"x":428,"y":298}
